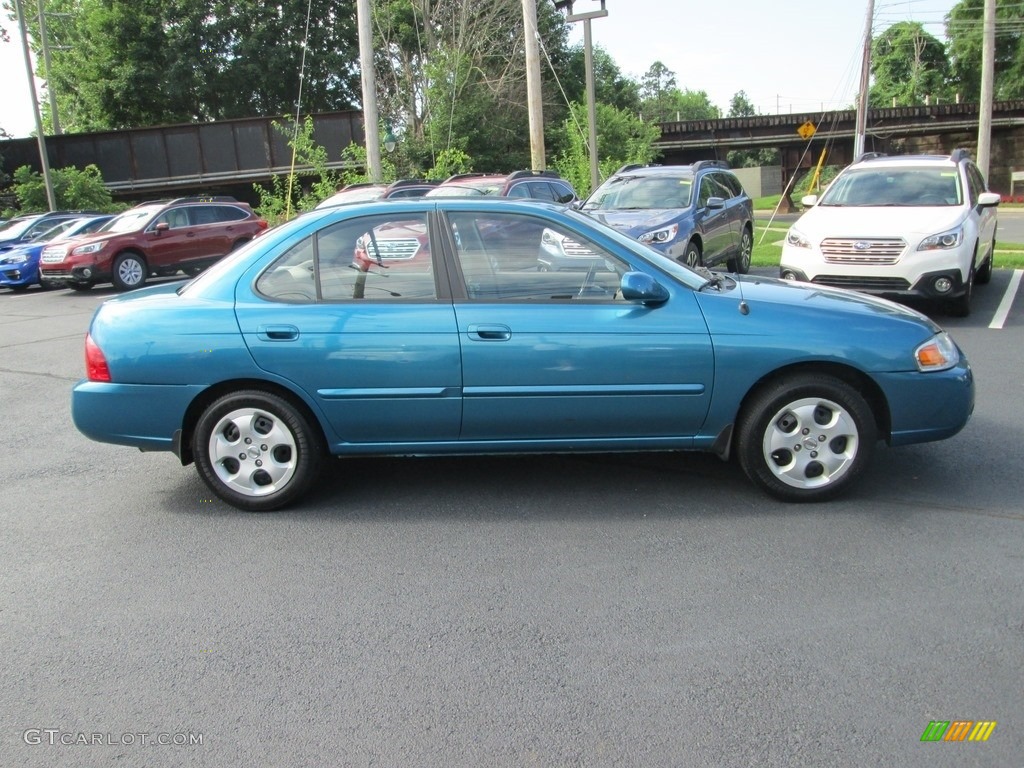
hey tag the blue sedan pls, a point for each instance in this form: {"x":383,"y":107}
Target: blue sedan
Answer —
{"x":414,"y":328}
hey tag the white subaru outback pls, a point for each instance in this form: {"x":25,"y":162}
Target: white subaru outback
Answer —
{"x":912,"y":226}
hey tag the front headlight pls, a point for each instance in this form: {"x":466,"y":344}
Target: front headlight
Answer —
{"x":90,"y":248}
{"x":943,"y":240}
{"x":663,"y":235}
{"x":937,"y":354}
{"x":797,"y":239}
{"x":13,"y":260}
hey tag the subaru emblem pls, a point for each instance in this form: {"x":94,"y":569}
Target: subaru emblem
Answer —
{"x":860,"y":245}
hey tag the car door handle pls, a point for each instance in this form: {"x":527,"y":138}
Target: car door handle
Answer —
{"x":490,"y":332}
{"x":277,"y":332}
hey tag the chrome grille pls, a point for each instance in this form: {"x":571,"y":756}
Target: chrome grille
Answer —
{"x":52,"y":256}
{"x":862,"y":250}
{"x":397,"y":248}
{"x":572,"y":248}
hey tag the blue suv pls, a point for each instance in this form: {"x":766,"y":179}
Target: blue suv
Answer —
{"x":696,"y":214}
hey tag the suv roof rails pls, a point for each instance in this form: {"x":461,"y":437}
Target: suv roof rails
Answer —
{"x":411,"y":182}
{"x":710,"y":164}
{"x":527,"y":174}
{"x":959,"y":154}
{"x":357,"y":185}
{"x":870,"y":156}
{"x":458,"y":176}
{"x":635,"y":166}
{"x":205,"y":199}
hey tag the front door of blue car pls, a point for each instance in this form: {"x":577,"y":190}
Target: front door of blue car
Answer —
{"x":560,"y":355}
{"x":352,"y":315}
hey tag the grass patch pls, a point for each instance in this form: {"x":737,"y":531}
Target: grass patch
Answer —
{"x":768,"y":249}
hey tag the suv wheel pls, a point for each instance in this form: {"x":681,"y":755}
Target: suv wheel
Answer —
{"x":961,"y":305}
{"x":693,"y":256}
{"x":984,"y":275}
{"x":129,"y":272}
{"x":740,"y":264}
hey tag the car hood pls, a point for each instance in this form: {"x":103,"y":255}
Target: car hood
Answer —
{"x":888,"y":221}
{"x":635,"y":223}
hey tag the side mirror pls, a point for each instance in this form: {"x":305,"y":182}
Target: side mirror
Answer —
{"x":716,"y":202}
{"x":163,"y":226}
{"x":639,"y":286}
{"x":809,"y":201}
{"x":987,"y":199}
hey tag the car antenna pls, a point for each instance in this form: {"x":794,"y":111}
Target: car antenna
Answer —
{"x":743,"y":306}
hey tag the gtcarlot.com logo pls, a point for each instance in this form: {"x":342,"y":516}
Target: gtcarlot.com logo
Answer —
{"x":57,"y":737}
{"x":958,"y":730}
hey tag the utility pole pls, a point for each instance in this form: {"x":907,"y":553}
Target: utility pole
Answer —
{"x":44,"y":160}
{"x":988,"y":56}
{"x":860,"y":134}
{"x":534,"y":101}
{"x":588,"y":58}
{"x":371,"y":127}
{"x":44,"y":43}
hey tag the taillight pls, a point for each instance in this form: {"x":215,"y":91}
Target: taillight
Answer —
{"x":262,"y":224}
{"x":96,"y":368}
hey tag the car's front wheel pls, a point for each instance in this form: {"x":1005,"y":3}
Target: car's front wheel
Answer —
{"x":740,"y":264}
{"x":692,"y":257}
{"x":961,"y":305}
{"x":130,"y":272}
{"x":806,"y":437}
{"x":984,"y":274}
{"x":256,"y":451}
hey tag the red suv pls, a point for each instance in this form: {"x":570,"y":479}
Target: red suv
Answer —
{"x":533,"y":185}
{"x":158,"y":238}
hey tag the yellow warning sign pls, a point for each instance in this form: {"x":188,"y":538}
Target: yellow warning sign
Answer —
{"x":806,"y":130}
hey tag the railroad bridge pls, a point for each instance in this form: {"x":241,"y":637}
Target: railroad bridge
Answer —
{"x":229,"y":156}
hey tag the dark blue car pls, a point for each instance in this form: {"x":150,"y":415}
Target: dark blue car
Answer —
{"x":697,"y":214}
{"x":19,"y":265}
{"x":395,"y":328}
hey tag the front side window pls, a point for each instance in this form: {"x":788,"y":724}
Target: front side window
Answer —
{"x":518,"y":257}
{"x":375,"y":258}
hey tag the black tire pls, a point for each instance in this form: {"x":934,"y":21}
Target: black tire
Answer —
{"x":193,"y":271}
{"x":256,"y":451}
{"x":80,"y":287}
{"x":130,"y":272}
{"x":805,"y":437}
{"x":48,"y":285}
{"x":693,"y":256}
{"x":984,"y":274}
{"x":961,"y":305}
{"x":18,"y":288}
{"x":740,"y":264}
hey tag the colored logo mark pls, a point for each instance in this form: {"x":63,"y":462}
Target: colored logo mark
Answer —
{"x":958,"y":730}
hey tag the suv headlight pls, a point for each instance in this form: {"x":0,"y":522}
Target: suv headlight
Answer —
{"x":90,"y":248}
{"x":797,"y":239}
{"x":663,"y":235}
{"x":937,"y":354}
{"x":943,"y":240}
{"x":13,"y":260}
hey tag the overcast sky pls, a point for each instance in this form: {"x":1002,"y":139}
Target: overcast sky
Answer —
{"x":787,"y":57}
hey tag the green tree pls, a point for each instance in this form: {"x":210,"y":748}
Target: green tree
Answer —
{"x":908,"y":65}
{"x":130,"y":63}
{"x":964,"y":32}
{"x":73,"y":189}
{"x":741,"y":106}
{"x":662,"y":101}
{"x":622,"y":138}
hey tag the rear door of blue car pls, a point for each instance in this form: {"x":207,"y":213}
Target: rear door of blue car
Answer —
{"x":373,"y":340}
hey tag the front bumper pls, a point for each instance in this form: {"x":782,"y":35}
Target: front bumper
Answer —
{"x":941,"y":284}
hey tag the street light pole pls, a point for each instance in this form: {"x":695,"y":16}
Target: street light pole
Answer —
{"x":988,"y":55}
{"x":534,"y":100}
{"x":588,"y":58}
{"x":44,"y":160}
{"x":51,"y":92}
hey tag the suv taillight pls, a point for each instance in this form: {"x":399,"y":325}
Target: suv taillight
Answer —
{"x":96,"y":368}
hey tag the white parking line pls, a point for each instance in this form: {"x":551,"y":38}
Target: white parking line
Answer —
{"x":999,"y":319}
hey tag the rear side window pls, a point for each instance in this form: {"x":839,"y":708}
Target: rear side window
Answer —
{"x":375,"y":258}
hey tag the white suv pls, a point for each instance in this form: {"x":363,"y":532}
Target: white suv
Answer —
{"x":920,"y":225}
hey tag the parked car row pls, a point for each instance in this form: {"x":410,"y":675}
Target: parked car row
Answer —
{"x":72,"y":250}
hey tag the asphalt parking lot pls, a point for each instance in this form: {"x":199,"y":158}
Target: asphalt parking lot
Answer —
{"x":572,"y":611}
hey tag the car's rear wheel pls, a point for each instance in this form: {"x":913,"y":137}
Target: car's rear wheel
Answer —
{"x":130,"y":272}
{"x":806,"y":437}
{"x":693,"y":257}
{"x":740,"y":264}
{"x":81,"y":286}
{"x":256,"y":451}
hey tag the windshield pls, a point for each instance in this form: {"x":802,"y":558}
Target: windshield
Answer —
{"x":15,"y":227}
{"x":634,"y":193}
{"x":863,"y":187}
{"x":129,"y":221}
{"x":352,"y":196}
{"x":459,"y":190}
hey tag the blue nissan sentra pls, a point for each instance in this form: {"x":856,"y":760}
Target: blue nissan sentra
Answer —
{"x":412,"y":327}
